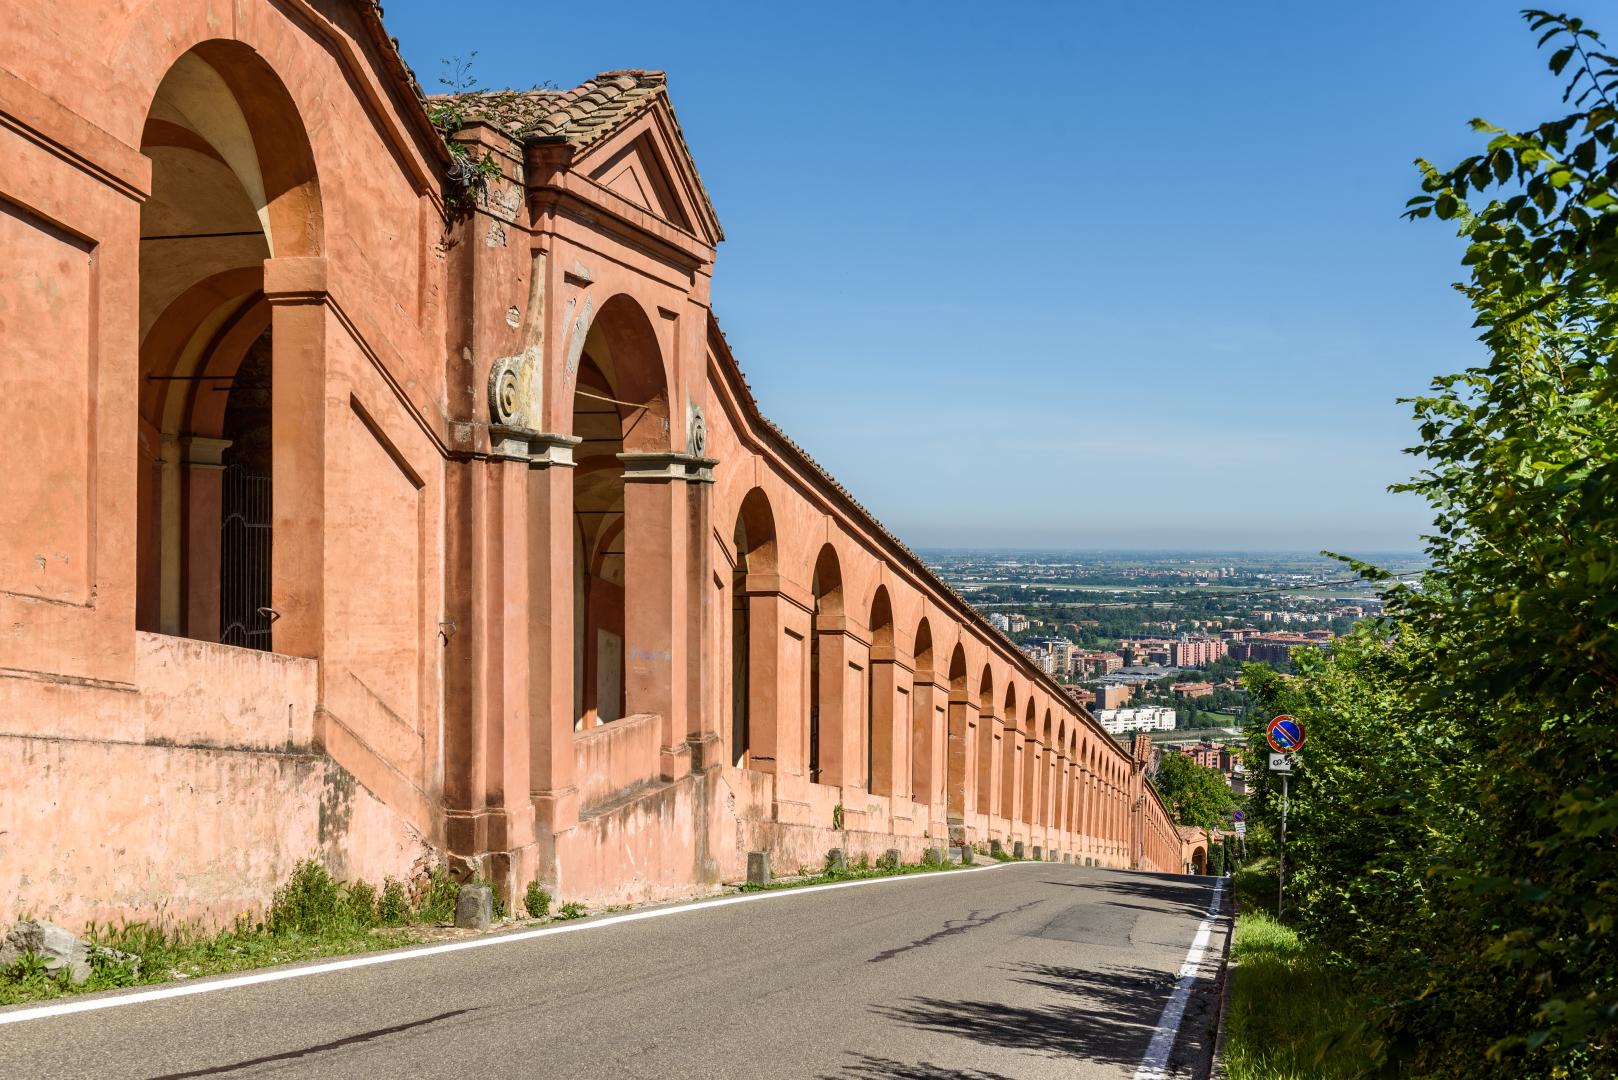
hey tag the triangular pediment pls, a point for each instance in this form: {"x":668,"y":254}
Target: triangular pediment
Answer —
{"x":636,"y":173}
{"x":646,"y":162}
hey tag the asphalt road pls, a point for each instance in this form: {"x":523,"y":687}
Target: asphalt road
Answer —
{"x":1025,"y":971}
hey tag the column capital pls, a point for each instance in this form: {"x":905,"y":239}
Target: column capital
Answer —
{"x":295,"y":280}
{"x":540,"y":449}
{"x":664,"y":465}
{"x":200,"y":451}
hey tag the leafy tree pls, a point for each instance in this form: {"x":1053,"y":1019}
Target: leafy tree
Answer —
{"x":1195,"y":794}
{"x":1454,"y":829}
{"x":1524,"y":476}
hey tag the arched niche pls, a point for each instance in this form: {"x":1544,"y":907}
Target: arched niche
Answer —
{"x":825,"y":679}
{"x":753,"y":702}
{"x":225,"y":540}
{"x":619,"y":409}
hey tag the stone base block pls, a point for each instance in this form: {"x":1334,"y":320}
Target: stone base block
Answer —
{"x":474,"y":907}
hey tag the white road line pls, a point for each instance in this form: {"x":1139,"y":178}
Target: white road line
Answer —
{"x":41,"y":1012}
{"x":1155,"y":1065}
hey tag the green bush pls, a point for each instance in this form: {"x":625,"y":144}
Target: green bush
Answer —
{"x":537,"y":901}
{"x":438,"y":897}
{"x":362,"y":904}
{"x":1450,"y":836}
{"x":887,"y":862}
{"x":311,"y":902}
{"x":572,"y":910}
{"x":394,"y":906}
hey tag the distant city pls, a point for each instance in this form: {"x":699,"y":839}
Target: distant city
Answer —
{"x":1155,"y":642}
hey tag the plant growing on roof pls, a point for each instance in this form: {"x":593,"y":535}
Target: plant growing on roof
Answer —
{"x":461,"y":102}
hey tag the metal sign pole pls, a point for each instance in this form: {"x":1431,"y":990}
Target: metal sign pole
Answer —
{"x":1281,"y":870}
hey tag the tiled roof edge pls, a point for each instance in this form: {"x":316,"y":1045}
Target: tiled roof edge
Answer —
{"x":405,"y":81}
{"x":786,"y":443}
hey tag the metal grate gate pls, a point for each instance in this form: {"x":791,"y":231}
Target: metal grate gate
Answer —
{"x":244,"y":560}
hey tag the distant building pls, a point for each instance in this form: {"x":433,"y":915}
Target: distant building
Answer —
{"x":1192,"y":689}
{"x":1000,"y":622}
{"x":1195,"y":652}
{"x":1112,"y":695}
{"x":1016,"y":624}
{"x":1205,"y":753}
{"x":1040,"y":657}
{"x":1271,"y":648}
{"x":1147,"y":718}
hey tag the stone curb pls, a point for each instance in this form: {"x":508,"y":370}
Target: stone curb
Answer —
{"x":1227,"y":968}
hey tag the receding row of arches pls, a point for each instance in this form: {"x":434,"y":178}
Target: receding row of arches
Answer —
{"x":910,"y":724}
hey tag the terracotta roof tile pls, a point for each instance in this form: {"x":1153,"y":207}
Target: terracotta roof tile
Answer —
{"x":581,"y":116}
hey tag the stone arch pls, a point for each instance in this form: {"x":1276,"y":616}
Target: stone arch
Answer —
{"x":228,"y":532}
{"x":989,"y":738}
{"x":1008,"y":755}
{"x":752,"y":701}
{"x":1075,"y":780}
{"x":621,"y":515}
{"x":1047,"y":773}
{"x":926,"y":765}
{"x":960,"y":749}
{"x":1057,"y":755}
{"x":880,"y":692}
{"x":826,"y":673}
{"x":1030,"y":766}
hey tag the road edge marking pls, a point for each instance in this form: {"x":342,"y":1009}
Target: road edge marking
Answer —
{"x":414,"y":952}
{"x":1154,"y":1064}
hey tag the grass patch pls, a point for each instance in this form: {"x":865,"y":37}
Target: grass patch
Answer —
{"x":1288,"y":1009}
{"x":312,"y":915}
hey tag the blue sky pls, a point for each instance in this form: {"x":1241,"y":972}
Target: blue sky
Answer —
{"x":1073,"y":275}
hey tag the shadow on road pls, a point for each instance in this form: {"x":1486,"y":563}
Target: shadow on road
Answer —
{"x":1110,"y":1018}
{"x":321,"y":1048}
{"x":1186,"y":894}
{"x":875,"y":1068}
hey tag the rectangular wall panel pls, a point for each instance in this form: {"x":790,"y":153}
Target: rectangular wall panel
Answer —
{"x":47,"y":302}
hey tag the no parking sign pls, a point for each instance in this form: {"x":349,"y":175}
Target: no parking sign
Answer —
{"x":1285,"y":734}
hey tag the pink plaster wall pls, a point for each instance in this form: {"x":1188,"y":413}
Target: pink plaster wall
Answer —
{"x":103,"y":831}
{"x":140,"y":770}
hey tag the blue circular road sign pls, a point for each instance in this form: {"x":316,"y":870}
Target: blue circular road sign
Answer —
{"x":1285,"y":734}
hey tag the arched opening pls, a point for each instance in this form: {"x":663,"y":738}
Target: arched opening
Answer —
{"x":958,"y":755}
{"x":1051,"y":799}
{"x":1058,"y":773}
{"x":1075,"y":788}
{"x":1008,"y":757}
{"x":620,"y":406}
{"x":233,"y":185}
{"x":922,"y":710}
{"x":988,"y":740}
{"x":879,"y":697}
{"x":825,"y":680}
{"x":1199,"y":861}
{"x":1030,"y":766}
{"x":754,"y":540}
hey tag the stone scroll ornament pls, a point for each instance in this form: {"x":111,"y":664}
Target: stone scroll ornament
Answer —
{"x":517,"y":382}
{"x":696,"y":431}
